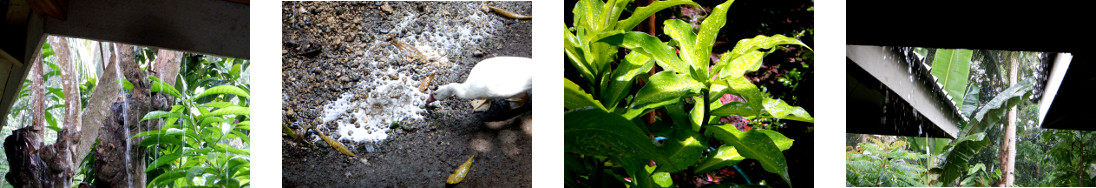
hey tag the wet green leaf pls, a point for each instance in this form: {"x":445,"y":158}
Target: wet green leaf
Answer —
{"x":219,"y":104}
{"x":649,"y":45}
{"x":781,"y":141}
{"x":683,"y":148}
{"x":158,"y":139}
{"x":735,"y":67}
{"x":662,"y":179}
{"x":589,"y":14}
{"x":596,"y":132}
{"x":952,"y":69}
{"x":638,"y":170}
{"x":677,"y":114}
{"x":125,"y":84}
{"x":575,"y":98}
{"x":746,"y":57}
{"x":227,"y":148}
{"x":161,"y":114}
{"x":754,"y":145}
{"x":682,"y":33}
{"x":633,"y":65}
{"x":696,"y":116}
{"x":725,"y":155}
{"x":224,"y":89}
{"x":665,"y":88}
{"x":572,"y":48}
{"x":198,"y":171}
{"x":764,"y":42}
{"x":169,"y":177}
{"x":642,"y":13}
{"x":165,"y":159}
{"x":235,"y":110}
{"x":970,"y":102}
{"x":781,"y":110}
{"x":51,"y":121}
{"x":746,"y":90}
{"x":705,"y":38}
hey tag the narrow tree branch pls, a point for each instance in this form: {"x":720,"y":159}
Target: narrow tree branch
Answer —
{"x":68,"y":81}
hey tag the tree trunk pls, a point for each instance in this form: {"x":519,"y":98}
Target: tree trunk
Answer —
{"x":137,"y":106}
{"x":55,"y":165}
{"x":166,"y":67}
{"x":1008,"y":148}
{"x":119,"y":159}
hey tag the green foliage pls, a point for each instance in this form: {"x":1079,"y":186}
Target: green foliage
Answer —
{"x":979,"y":176}
{"x":604,"y":139}
{"x":54,"y":95}
{"x":883,"y":162}
{"x":972,"y":138}
{"x":206,"y":134}
{"x":1066,"y":158}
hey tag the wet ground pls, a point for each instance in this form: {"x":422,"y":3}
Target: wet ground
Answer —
{"x":331,"y":49}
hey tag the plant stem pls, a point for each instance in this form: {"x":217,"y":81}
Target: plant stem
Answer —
{"x":597,"y":171}
{"x":707,"y":110}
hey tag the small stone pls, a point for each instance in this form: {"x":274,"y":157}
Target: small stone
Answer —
{"x":289,"y":113}
{"x":478,"y":53}
{"x":386,"y":8}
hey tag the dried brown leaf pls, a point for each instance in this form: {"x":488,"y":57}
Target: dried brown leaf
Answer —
{"x":509,"y":14}
{"x":461,"y":171}
{"x":425,"y":83}
{"x":336,"y":145}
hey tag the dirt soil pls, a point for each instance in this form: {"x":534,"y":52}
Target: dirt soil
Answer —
{"x":335,"y":48}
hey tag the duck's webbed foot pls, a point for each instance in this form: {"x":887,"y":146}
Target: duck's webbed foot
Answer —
{"x":481,"y":105}
{"x":518,"y":101}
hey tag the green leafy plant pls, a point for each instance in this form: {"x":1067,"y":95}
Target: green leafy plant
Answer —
{"x":603,"y":136}
{"x":972,"y":137}
{"x":883,"y":162}
{"x":206,"y":133}
{"x":979,"y":176}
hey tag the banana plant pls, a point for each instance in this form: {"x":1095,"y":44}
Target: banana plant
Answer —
{"x":599,"y":125}
{"x":972,"y":138}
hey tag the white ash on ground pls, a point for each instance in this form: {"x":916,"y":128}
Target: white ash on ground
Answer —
{"x":366,"y":113}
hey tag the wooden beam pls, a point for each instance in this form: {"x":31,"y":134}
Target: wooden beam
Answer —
{"x":214,"y":27}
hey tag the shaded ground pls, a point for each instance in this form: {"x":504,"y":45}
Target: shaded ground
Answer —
{"x":330,"y":48}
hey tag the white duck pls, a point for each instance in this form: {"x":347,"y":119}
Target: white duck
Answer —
{"x":503,"y":77}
